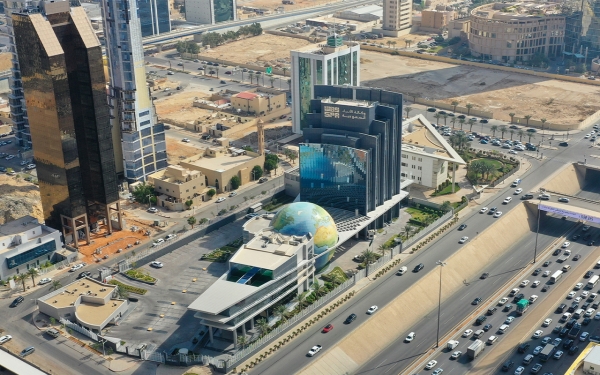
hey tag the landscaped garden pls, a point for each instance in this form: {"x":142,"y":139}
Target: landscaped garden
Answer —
{"x":140,"y":275}
{"x":446,"y":189}
{"x":224,"y":252}
{"x":336,"y":275}
{"x":486,"y":169}
{"x":128,"y":288}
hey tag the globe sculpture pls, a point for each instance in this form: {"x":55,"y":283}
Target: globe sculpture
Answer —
{"x":301,"y":218}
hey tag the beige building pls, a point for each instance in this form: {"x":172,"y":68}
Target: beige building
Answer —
{"x":513,"y":32}
{"x":177,"y":185}
{"x":258,"y":102}
{"x":435,"y":20}
{"x":87,"y":302}
{"x":397,"y":17}
{"x":220,"y":164}
{"x":459,"y":28}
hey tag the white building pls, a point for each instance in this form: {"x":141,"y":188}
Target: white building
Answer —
{"x":26,"y":244}
{"x":397,"y":17}
{"x":210,"y":12}
{"x":131,"y":108}
{"x":425,"y":153}
{"x":334,"y":63}
{"x":591,"y":362}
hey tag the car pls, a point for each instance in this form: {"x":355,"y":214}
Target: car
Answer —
{"x":578,"y":286}
{"x":524,"y":283}
{"x":536,"y":368}
{"x":565,"y":244}
{"x":157,"y":264}
{"x":437,"y":371}
{"x":585,"y":294}
{"x":350,"y":319}
{"x":314,"y":350}
{"x":587,"y":136}
{"x":518,"y":191}
{"x":476,"y":301}
{"x":564,"y":144}
{"x":575,"y":237}
{"x":456,"y":354}
{"x":535,"y":284}
{"x":27,"y":351}
{"x":45,"y":280}
{"x":597,"y":316}
{"x":563,"y":199}
{"x":327,"y":328}
{"x":523,"y":348}
{"x":418,"y":267}
{"x":467,"y":333}
{"x":232,"y":194}
{"x":487,"y":327}
{"x":76,"y":267}
{"x":546,"y":288}
{"x":411,"y":336}
{"x":84,"y":274}
{"x":431,"y":364}
{"x":584,"y":336}
{"x":221,"y":199}
{"x":462,"y":227}
{"x":558,"y":354}
{"x":483,"y":210}
{"x":513,"y":292}
{"x":509,"y":320}
{"x":372,"y":309}
{"x":484,"y":275}
{"x":503,"y":301}
{"x":547,"y":322}
{"x":546,"y":340}
{"x":158,"y":241}
{"x":170,"y":237}
{"x":518,"y":297}
{"x":152,"y":210}
{"x":507,"y":200}
{"x":263,"y":179}
{"x":533,"y":298}
{"x":5,"y":338}
{"x":536,"y":271}
{"x":200,"y":68}
{"x":547,"y":263}
{"x":537,"y":334}
{"x":186,"y":140}
{"x":588,"y":274}
{"x":577,"y":257}
{"x":591,"y":243}
{"x":557,"y":252}
{"x":557,"y":329}
{"x":463,"y":239}
{"x":520,"y":370}
{"x":497,"y":214}
{"x":589,"y":313}
{"x":585,"y":228}
{"x":537,"y":350}
{"x":31,"y":166}
{"x":546,"y":274}
{"x":573,"y":349}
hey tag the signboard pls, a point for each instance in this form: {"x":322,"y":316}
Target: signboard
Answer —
{"x":568,"y":213}
{"x":269,"y":70}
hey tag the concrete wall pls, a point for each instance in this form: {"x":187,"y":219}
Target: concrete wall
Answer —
{"x":569,"y":180}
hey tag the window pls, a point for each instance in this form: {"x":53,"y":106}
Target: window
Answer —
{"x":30,"y":255}
{"x":420,"y":168}
{"x":420,"y":159}
{"x":404,"y":156}
{"x":145,"y":113}
{"x":404,"y":164}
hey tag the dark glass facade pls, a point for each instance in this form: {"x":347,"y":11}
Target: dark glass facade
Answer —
{"x":305,"y":79}
{"x":154,"y":16}
{"x":224,"y":10}
{"x":582,"y":31}
{"x":64,"y":85}
{"x":29,"y":255}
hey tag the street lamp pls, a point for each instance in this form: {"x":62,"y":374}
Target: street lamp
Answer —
{"x":149,"y":201}
{"x":538,"y":229}
{"x":437,"y":342}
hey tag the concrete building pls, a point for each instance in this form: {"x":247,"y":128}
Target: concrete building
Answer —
{"x":257,"y":102}
{"x":143,"y":147}
{"x":88,"y":302}
{"x":177,"y":185}
{"x":26,"y":244}
{"x":591,"y":362}
{"x":367,"y":13}
{"x":220,"y":164}
{"x":210,"y":12}
{"x":426,"y":154}
{"x":334,"y":63}
{"x":397,"y":17}
{"x":459,"y":28}
{"x":154,"y":16}
{"x":513,"y":32}
{"x":435,"y":20}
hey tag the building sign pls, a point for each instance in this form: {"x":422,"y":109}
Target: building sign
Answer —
{"x":568,"y":213}
{"x":354,"y":114}
{"x":331,"y":112}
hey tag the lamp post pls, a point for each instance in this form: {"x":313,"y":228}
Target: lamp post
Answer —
{"x":537,"y":231}
{"x":149,"y":201}
{"x":437,"y":342}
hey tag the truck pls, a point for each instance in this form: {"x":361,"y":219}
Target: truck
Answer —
{"x":475,"y":348}
{"x":575,"y":331}
{"x":547,"y":352}
{"x":563,"y":258}
{"x":452,"y":344}
{"x":522,"y":306}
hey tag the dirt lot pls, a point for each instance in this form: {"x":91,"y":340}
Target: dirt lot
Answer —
{"x":490,"y":90}
{"x":264,"y":48}
{"x":19,"y":198}
{"x":178,"y":109}
{"x":272,"y":4}
{"x":177,"y":151}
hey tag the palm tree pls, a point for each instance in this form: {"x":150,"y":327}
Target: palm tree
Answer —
{"x":389,"y":43}
{"x":407,"y":109}
{"x":476,"y":167}
{"x":494,"y":128}
{"x":455,"y":103}
{"x":520,"y":133}
{"x":285,"y":69}
{"x":22,"y":277}
{"x":263,"y":326}
{"x":453,"y":121}
{"x":56,"y":285}
{"x":271,"y":79}
{"x":461,"y":122}
{"x":543,"y":122}
{"x":512,"y":115}
{"x":530,"y":135}
{"x":437,"y":118}
{"x":281,"y":312}
{"x":445,"y":117}
{"x":33,"y":273}
{"x":382,"y":249}
{"x":299,"y":299}
{"x":469,"y":106}
{"x":512,"y":132}
{"x":122,"y":293}
{"x":251,"y":75}
{"x":318,"y":289}
{"x":408,"y":42}
{"x":502,"y":130}
{"x":527,"y":117}
{"x":368,"y":256}
{"x":471,"y":123}
{"x":408,"y":229}
{"x":242,"y":341}
{"x":488,"y":168}
{"x":394,"y":44}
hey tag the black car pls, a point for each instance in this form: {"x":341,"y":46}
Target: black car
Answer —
{"x":577,"y":257}
{"x":487,"y":327}
{"x":17,"y":301}
{"x":84,"y":274}
{"x":591,"y":243}
{"x":480,"y":320}
{"x":537,"y":271}
{"x":586,"y":306}
{"x":567,"y":344}
{"x":507,"y":365}
{"x":523,"y":348}
{"x":518,"y":297}
{"x":557,"y":252}
{"x":564,"y":144}
{"x":492,"y":210}
{"x":483,"y":121}
{"x":571,"y":323}
{"x":573,"y":349}
{"x":462,"y":227}
{"x":557,"y":329}
{"x":595,"y":305}
{"x":418,"y":267}
{"x":575,"y":237}
{"x":547,"y":263}
{"x":484,"y":276}
{"x":546,"y":288}
{"x":350,"y":319}
{"x":586,"y":321}
{"x":563,"y":332}
{"x":476,"y":301}
{"x":574,"y":306}
{"x":430,"y":109}
{"x":595,"y":339}
{"x":588,"y":274}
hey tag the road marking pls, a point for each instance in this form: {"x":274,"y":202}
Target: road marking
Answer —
{"x":465,"y":296}
{"x":508,"y":260}
{"x":381,"y":363}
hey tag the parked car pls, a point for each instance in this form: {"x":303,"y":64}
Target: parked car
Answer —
{"x":156,"y":264}
{"x":27,"y":351}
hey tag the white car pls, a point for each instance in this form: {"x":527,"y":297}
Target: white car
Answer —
{"x":503,"y":301}
{"x":577,"y":300}
{"x":411,"y":336}
{"x":314,"y":350}
{"x":45,"y":280}
{"x":509,"y":320}
{"x":537,"y":334}
{"x":31,"y":166}
{"x":222,"y":199}
{"x":518,"y":191}
{"x":76,"y":267}
{"x":372,"y":309}
{"x":507,"y":200}
{"x":520,"y":370}
{"x":533,"y":298}
{"x":467,"y":333}
{"x":524,"y":283}
{"x":546,"y":274}
{"x":156,"y":264}
{"x":498,"y":214}
{"x":567,"y":252}
{"x":535,"y":284}
{"x":597,"y":316}
{"x":152,"y":210}
{"x":431,"y":364}
{"x":547,"y":322}
{"x":566,"y":244}
{"x":558,"y":354}
{"x":584,"y":336}
{"x":585,"y":294}
{"x":589,"y":313}
{"x":513,"y":152}
{"x":484,"y":210}
{"x":5,"y":338}
{"x":463,"y":239}
{"x":514,"y":292}
{"x":577,"y":287}
{"x":456,"y":354}
{"x":186,"y":140}
{"x":587,"y":136}
{"x":170,"y":237}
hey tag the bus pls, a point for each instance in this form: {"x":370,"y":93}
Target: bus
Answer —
{"x":255,"y":208}
{"x":593,"y":281}
{"x":555,"y":277}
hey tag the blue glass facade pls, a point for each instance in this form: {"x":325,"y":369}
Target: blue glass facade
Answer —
{"x":154,"y":16}
{"x":30,"y":255}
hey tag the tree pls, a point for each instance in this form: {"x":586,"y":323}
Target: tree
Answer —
{"x":242,"y":341}
{"x":122,"y":293}
{"x":33,"y":273}
{"x":263,"y":326}
{"x":543,"y":122}
{"x":251,"y":75}
{"x":281,"y":312}
{"x":394,"y":44}
{"x":408,"y":42}
{"x":408,"y":230}
{"x":256,"y":172}
{"x":453,"y":121}
{"x":471,"y":123}
{"x":235,"y":182}
{"x":271,"y":162}
{"x":494,"y":129}
{"x":461,"y":122}
{"x":446,"y":206}
{"x":368,"y":256}
{"x":530,"y":135}
{"x":191,"y":221}
{"x":189,"y":203}
{"x":271,"y":79}
{"x":455,"y":104}
{"x":520,"y":133}
{"x":318,"y":289}
{"x":212,"y":39}
{"x":469,"y":106}
{"x":389,"y":43}
{"x":292,"y":156}
{"x":285,"y":69}
{"x":437,"y":118}
{"x":382,"y":249}
{"x":459,"y":141}
{"x":445,"y":117}
{"x":512,"y":132}
{"x":56,"y":285}
{"x":300,"y":299}
{"x":512,"y":116}
{"x":502,"y":129}
{"x":216,"y":69}
{"x":407,"y":109}
{"x":22,"y":277}
{"x":527,"y":117}
{"x":143,"y":192}
{"x":211,"y":193}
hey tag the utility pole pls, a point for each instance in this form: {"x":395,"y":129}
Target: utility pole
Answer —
{"x":437,"y":341}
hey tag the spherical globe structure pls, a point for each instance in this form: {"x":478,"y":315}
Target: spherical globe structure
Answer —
{"x":301,"y":218}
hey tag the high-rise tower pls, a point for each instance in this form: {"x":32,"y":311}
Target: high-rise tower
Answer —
{"x":132,"y":110}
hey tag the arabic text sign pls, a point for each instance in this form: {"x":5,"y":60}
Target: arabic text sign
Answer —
{"x":568,"y":213}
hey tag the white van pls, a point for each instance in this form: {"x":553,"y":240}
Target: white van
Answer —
{"x":578,"y":313}
{"x":492,"y":339}
{"x":503,"y":328}
{"x":401,"y":271}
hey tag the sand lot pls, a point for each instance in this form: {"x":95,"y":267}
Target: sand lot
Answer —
{"x":488,"y":89}
{"x":264,"y":48}
{"x":178,"y":109}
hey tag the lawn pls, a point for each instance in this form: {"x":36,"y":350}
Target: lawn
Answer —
{"x":138,"y":274}
{"x":447,"y":190}
{"x":337,"y":271}
{"x":500,"y":168}
{"x":224,"y":252}
{"x":129,"y":288}
{"x":416,"y":214}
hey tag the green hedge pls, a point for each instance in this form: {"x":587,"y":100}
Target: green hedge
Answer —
{"x":140,"y":275}
{"x":129,"y":288}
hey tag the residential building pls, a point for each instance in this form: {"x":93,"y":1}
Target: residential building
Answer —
{"x":397,"y":17}
{"x":143,"y":145}
{"x":334,"y":63}
{"x":88,"y":302}
{"x":513,"y":32}
{"x":154,"y":16}
{"x":210,"y":12}
{"x":63,"y":81}
{"x":27,"y":244}
{"x":220,"y":164}
{"x":258,"y":102}
{"x":436,"y":20}
{"x":176,"y":185}
{"x":426,"y":154}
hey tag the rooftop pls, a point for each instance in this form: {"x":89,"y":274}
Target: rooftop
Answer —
{"x":68,"y":295}
{"x":246,"y":95}
{"x":19,"y":225}
{"x":219,"y":163}
{"x":96,"y":314}
{"x":516,"y":10}
{"x":424,"y":139}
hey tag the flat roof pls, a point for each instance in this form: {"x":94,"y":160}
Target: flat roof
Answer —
{"x":69,"y":294}
{"x":96,"y":314}
{"x":424,"y":139}
{"x":268,"y":249}
{"x":19,"y":225}
{"x":212,"y":301}
{"x":222,"y":163}
{"x":17,"y":365}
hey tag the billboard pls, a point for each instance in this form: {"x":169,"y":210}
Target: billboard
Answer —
{"x":569,"y":213}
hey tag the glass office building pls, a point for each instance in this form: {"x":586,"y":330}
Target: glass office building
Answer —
{"x":582,"y":33}
{"x":154,"y":16}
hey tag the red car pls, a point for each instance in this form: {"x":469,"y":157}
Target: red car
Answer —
{"x":327,"y":328}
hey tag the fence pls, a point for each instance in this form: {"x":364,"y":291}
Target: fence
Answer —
{"x":79,"y":329}
{"x":428,"y":229}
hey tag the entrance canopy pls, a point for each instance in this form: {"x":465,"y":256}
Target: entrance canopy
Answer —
{"x":571,"y":211}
